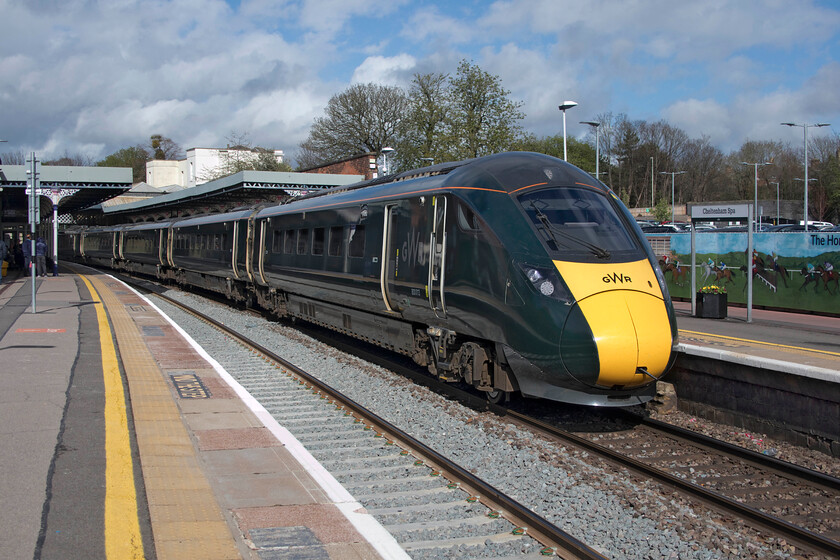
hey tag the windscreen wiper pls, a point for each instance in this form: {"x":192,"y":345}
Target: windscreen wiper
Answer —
{"x":551,"y":229}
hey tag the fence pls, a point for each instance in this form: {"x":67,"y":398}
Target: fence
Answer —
{"x":795,"y":271}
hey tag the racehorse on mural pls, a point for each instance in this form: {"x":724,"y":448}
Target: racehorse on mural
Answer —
{"x":726,"y":273}
{"x":811,"y":275}
{"x":678,"y":272}
{"x":829,"y":276}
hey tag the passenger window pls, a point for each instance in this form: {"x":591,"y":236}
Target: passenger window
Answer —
{"x":336,"y":236}
{"x":467,"y":220}
{"x":289,"y":241}
{"x":303,"y":237}
{"x":318,"y":241}
{"x":356,"y":243}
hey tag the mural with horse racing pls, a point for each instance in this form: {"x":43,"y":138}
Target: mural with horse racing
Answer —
{"x":797,"y":271}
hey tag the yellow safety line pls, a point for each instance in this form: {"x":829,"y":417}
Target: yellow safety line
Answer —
{"x":762,"y":342}
{"x":122,"y":526}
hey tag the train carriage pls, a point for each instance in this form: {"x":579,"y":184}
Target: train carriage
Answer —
{"x":513,"y":272}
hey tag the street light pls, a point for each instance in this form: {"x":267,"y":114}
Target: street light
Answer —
{"x":805,"y":129}
{"x":596,"y":126}
{"x":755,"y":207}
{"x":672,"y":173}
{"x":563,"y":107}
{"x":385,"y":152}
{"x":431,"y":160}
{"x":777,"y":200}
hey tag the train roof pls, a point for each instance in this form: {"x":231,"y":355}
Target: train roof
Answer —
{"x":505,"y":173}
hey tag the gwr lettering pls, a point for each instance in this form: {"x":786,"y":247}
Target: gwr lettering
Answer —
{"x":617,"y":278}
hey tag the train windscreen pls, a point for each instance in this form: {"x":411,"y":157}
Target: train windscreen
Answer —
{"x":579,"y":224}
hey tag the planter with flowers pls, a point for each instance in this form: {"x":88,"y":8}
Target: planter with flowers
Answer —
{"x":711,"y":302}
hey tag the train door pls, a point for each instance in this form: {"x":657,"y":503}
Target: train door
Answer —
{"x":234,"y":253}
{"x":161,"y":246}
{"x":171,"y":236}
{"x":390,"y":258}
{"x":262,"y":251}
{"x":437,"y":257}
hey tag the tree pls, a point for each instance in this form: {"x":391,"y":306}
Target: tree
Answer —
{"x":482,"y":118}
{"x":364,"y":118}
{"x":241,"y":156}
{"x":662,"y":210}
{"x":135,"y":158}
{"x":421,"y":130}
{"x":75,"y":160}
{"x":164,"y":148}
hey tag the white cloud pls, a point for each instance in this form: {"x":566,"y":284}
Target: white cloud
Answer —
{"x":385,"y":70}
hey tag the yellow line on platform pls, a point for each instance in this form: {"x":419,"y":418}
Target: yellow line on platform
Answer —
{"x":774,"y":344}
{"x":122,"y":526}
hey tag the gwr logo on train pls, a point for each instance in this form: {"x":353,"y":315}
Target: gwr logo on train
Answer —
{"x":616,"y":278}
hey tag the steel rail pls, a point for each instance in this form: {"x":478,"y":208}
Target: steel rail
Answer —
{"x":536,"y":526}
{"x":780,"y":527}
{"x":754,"y":458}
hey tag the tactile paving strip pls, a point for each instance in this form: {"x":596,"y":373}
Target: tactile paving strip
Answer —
{"x":186,"y":519}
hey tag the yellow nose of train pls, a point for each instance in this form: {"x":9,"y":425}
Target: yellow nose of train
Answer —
{"x":624,"y":308}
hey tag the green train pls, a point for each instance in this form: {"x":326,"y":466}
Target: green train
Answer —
{"x":515,"y":273}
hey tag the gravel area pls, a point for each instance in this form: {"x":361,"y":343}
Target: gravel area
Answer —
{"x":761,"y":443}
{"x":603,"y":506}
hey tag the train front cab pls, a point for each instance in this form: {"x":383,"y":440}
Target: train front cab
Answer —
{"x":620,"y":332}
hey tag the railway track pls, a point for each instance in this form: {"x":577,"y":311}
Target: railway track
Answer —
{"x":798,"y":504}
{"x":433,"y":507}
{"x":781,"y":500}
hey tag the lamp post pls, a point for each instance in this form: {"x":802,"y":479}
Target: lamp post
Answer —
{"x":755,"y":207}
{"x":805,"y":128}
{"x":652,"y":174}
{"x":673,"y":201}
{"x":596,"y":126}
{"x":385,"y":152}
{"x":431,"y":160}
{"x":563,"y":107}
{"x":777,"y":200}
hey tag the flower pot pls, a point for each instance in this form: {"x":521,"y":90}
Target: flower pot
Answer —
{"x":711,"y":306}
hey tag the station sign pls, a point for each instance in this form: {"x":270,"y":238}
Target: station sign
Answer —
{"x":720,"y":211}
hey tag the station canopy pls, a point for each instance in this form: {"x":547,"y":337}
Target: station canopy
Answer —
{"x":75,"y":188}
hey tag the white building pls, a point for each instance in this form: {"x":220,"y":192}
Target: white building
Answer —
{"x":200,"y":164}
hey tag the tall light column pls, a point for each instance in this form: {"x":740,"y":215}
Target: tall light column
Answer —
{"x":755,"y":208}
{"x":385,"y":152}
{"x":563,"y":107}
{"x":596,"y":126}
{"x":673,"y":190}
{"x":777,"y":200}
{"x":805,"y":128}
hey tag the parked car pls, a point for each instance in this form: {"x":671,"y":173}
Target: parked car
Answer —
{"x":662,"y":228}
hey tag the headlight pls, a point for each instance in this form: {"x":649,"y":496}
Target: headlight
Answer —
{"x":547,"y":282}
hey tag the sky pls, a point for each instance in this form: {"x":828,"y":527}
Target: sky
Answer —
{"x":91,"y":77}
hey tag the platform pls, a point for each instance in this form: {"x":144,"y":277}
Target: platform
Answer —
{"x":185,"y":468}
{"x":802,"y":344}
{"x":778,"y":374}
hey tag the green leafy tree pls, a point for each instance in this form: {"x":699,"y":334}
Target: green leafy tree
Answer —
{"x":482,"y":118}
{"x":662,"y":210}
{"x":134,"y":157}
{"x":164,"y":148}
{"x":421,"y":130}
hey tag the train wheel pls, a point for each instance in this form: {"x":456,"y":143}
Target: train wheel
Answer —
{"x":496,"y":396}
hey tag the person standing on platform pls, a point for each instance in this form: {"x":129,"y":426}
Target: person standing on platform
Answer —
{"x":41,"y":257}
{"x":4,"y":250}
{"x":27,"y":254}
